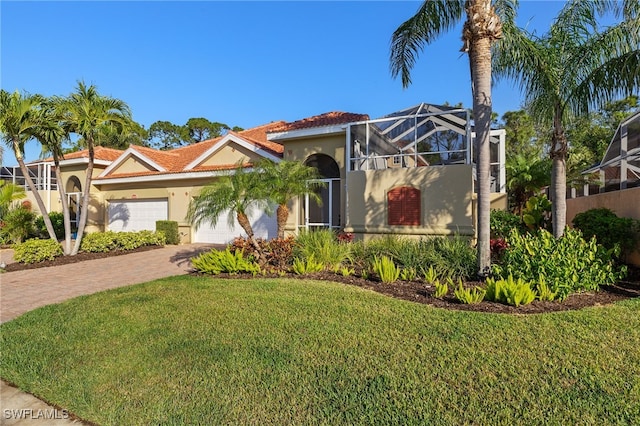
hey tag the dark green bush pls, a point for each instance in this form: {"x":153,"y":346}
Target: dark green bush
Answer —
{"x":502,"y":222}
{"x":608,"y":229}
{"x":568,"y":264}
{"x":57,"y":220}
{"x":170,"y":230}
{"x":33,"y":251}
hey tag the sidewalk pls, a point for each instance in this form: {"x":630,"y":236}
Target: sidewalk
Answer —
{"x":23,"y":291}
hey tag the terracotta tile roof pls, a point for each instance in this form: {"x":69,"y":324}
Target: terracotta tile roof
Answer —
{"x":176,"y":172}
{"x":165,"y":159}
{"x":99,"y":152}
{"x":326,"y":119}
{"x":175,"y":160}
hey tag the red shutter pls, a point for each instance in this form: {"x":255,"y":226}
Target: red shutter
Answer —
{"x":403,"y":206}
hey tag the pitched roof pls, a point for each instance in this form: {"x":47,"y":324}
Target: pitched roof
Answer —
{"x":177,"y":160}
{"x":99,"y":153}
{"x":326,"y":119}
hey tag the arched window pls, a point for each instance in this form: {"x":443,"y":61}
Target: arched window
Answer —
{"x":403,"y":206}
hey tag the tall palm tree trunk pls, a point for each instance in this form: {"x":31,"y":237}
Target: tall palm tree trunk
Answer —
{"x":34,"y":191}
{"x":559,"y":176}
{"x":65,"y":206}
{"x":86,"y":198}
{"x":480,"y":57}
{"x":282,"y":214}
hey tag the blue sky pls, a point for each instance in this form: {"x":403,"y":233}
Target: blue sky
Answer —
{"x":240,"y":63}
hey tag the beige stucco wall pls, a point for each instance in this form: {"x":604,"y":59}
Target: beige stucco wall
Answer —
{"x":624,"y":203}
{"x":230,"y":155}
{"x":132,"y":165}
{"x":332,"y":145}
{"x":446,"y":200}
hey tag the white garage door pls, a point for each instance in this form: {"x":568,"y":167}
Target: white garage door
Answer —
{"x":225,"y":232}
{"x":136,"y":215}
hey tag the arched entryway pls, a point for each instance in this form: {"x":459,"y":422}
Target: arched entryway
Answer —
{"x":73,"y":188}
{"x":326,"y":215}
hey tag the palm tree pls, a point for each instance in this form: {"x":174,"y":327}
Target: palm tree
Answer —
{"x":286,"y":180}
{"x":19,"y":122}
{"x":525,"y":177}
{"x":85,"y":112}
{"x":483,"y":26}
{"x":51,"y":134}
{"x":9,"y":193}
{"x":569,"y":70}
{"x":238,"y":192}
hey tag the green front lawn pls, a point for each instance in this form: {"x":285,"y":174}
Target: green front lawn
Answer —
{"x":196,"y":350}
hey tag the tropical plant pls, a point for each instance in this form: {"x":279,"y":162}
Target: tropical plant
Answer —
{"x":441,"y":289}
{"x":306,"y":265}
{"x":287,"y":180}
{"x":385,"y":269}
{"x":85,"y":112}
{"x":536,"y":213}
{"x":19,"y":121}
{"x":238,"y":193}
{"x":569,"y":70}
{"x":483,"y":26}
{"x":9,"y":193}
{"x":509,"y":291}
{"x":215,"y":262}
{"x":468,"y":295}
{"x":17,"y":223}
{"x":324,"y":247}
{"x":567,"y":265}
{"x":525,"y":178}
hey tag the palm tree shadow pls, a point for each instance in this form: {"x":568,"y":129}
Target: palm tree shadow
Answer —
{"x":184,"y":256}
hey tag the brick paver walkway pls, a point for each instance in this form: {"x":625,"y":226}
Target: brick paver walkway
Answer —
{"x":22,"y":291}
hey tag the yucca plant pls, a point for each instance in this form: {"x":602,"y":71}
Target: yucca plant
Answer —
{"x":467,"y":295}
{"x":385,"y":269}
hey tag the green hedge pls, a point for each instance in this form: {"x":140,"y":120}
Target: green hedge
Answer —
{"x":33,"y":251}
{"x":107,"y":241}
{"x":170,"y":230}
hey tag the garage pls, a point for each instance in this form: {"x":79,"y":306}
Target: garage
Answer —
{"x":223,"y":232}
{"x":136,"y":215}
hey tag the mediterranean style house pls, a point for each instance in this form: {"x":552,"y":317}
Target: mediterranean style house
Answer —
{"x":408,"y":173}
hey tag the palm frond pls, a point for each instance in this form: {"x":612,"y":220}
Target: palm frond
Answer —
{"x":433,"y":18}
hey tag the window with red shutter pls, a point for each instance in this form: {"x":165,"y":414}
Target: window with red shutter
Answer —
{"x":403,"y":206}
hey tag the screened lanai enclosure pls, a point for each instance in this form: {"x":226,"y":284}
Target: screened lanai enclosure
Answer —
{"x":421,"y":136}
{"x":620,"y":166}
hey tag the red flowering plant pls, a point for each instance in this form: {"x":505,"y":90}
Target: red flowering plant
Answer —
{"x":498,"y":246}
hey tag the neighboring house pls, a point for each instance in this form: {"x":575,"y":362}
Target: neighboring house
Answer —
{"x":619,"y":173}
{"x":408,"y":173}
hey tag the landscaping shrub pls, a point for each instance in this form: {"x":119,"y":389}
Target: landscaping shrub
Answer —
{"x":385,"y":269}
{"x":57,"y":220}
{"x":170,"y":230}
{"x":502,"y":222}
{"x":568,"y":264}
{"x":441,"y":289}
{"x":307,"y":265}
{"x":468,"y":295}
{"x":608,"y":229}
{"x":509,"y":291}
{"x":33,"y":251}
{"x":17,"y":224}
{"x":102,"y":242}
{"x":277,"y":252}
{"x":537,"y":213}
{"x":324,"y":246}
{"x":214,"y":262}
{"x":449,"y":256}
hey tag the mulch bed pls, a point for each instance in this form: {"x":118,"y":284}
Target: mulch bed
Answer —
{"x":414,"y":291}
{"x":80,"y":257}
{"x":420,"y":292}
